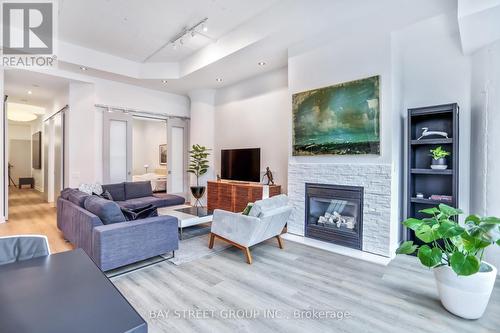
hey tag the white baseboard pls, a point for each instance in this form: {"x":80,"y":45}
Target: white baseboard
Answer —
{"x":377,"y":259}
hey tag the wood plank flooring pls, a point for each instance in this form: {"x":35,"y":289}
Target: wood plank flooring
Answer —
{"x":30,"y":214}
{"x":401,"y":297}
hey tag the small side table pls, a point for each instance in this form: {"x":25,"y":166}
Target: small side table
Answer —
{"x":27,"y":181}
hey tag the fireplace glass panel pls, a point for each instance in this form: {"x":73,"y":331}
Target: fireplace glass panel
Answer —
{"x":338,"y":214}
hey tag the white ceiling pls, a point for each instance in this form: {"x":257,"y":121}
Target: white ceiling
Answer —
{"x":44,"y":87}
{"x":134,"y":29}
{"x":112,"y":37}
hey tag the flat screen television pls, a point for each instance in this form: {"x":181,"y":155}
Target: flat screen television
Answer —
{"x":241,"y":164}
{"x":36,"y":150}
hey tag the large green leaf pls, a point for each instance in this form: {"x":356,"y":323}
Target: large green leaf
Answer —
{"x":412,"y":223}
{"x":407,"y":248}
{"x":430,"y":211}
{"x":464,"y":265}
{"x":448,"y":210}
{"x":472,"y":244}
{"x":491,"y":220}
{"x":427,"y":233}
{"x":429,"y":257}
{"x":449,"y":229}
{"x":474,"y":219}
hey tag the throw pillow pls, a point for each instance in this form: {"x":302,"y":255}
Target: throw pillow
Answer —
{"x":140,"y":213}
{"x":247,"y":208}
{"x":91,"y":188}
{"x":105,"y":195}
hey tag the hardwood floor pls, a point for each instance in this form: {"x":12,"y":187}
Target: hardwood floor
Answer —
{"x":401,"y":297}
{"x":29,"y":214}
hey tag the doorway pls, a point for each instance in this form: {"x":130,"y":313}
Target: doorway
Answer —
{"x":35,"y":109}
{"x":146,"y":147}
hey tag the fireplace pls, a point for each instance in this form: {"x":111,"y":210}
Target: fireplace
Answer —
{"x":334,"y":214}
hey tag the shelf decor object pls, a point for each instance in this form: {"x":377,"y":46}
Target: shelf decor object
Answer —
{"x":431,"y":128}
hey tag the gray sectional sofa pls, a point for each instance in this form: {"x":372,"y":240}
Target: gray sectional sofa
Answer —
{"x":99,"y":227}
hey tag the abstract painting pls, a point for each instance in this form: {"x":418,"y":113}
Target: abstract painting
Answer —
{"x":342,"y":119}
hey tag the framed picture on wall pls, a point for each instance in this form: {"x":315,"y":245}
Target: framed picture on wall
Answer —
{"x":163,"y":154}
{"x":342,"y":119}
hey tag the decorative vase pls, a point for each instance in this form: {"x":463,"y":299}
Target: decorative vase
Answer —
{"x":465,"y":296}
{"x":198,"y":192}
{"x":439,"y":164}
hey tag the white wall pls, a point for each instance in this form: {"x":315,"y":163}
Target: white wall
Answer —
{"x":147,"y":136}
{"x":363,"y":53}
{"x":485,"y":161}
{"x":254,"y":114}
{"x":434,"y":71}
{"x":82,"y":138}
{"x":202,"y":129}
{"x":20,"y":150}
{"x":133,"y":97}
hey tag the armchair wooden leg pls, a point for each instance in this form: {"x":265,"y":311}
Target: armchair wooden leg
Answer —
{"x":211,"y":242}
{"x":280,"y":241}
{"x":248,"y":255}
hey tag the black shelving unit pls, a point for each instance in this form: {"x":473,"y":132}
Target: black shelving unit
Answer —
{"x":421,"y":178}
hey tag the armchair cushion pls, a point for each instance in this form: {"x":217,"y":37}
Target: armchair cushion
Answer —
{"x":265,"y":205}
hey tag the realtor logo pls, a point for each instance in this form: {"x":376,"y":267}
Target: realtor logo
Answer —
{"x":27,"y":28}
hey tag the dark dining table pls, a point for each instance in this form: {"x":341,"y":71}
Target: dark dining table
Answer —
{"x":63,"y":292}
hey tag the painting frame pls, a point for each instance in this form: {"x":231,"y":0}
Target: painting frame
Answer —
{"x":162,"y":155}
{"x":340,"y":119}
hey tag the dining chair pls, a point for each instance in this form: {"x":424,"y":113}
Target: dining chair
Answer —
{"x":22,"y":247}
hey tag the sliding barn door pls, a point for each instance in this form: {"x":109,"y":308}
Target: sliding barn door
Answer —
{"x":177,"y":156}
{"x":117,"y":147}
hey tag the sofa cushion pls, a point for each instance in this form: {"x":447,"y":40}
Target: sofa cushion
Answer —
{"x":265,"y":205}
{"x":169,"y":199}
{"x":135,"y":190}
{"x":108,"y":211}
{"x":77,"y":197}
{"x":117,"y":191}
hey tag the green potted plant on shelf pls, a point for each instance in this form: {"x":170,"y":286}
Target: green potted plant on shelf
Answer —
{"x":455,"y":253}
{"x":198,"y":165}
{"x":439,"y":158}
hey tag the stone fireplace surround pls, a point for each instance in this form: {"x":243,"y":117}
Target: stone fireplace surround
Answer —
{"x":376,"y":180}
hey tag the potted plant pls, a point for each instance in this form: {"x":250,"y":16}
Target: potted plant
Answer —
{"x":198,"y":165}
{"x":439,"y":158}
{"x":455,"y":253}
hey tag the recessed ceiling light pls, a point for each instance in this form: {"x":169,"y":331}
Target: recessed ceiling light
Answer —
{"x":29,"y":92}
{"x":83,"y":68}
{"x":204,"y":27}
{"x":218,"y":79}
{"x":164,"y":81}
{"x":261,"y":63}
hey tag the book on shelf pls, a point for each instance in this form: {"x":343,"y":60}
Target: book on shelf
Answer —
{"x":446,"y":198}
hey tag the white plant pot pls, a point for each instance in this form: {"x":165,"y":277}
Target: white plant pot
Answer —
{"x":465,"y":296}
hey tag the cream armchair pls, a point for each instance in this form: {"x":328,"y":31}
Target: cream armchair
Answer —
{"x":266,"y":219}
